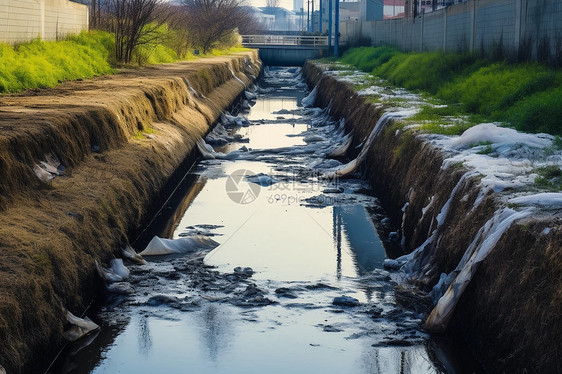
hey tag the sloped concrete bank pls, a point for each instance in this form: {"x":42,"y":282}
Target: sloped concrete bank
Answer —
{"x":511,"y":312}
{"x":119,"y":138}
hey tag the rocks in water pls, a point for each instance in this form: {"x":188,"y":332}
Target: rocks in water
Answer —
{"x":157,"y":300}
{"x":252,"y":296}
{"x":244,"y":271}
{"x":285,"y":292}
{"x":333,"y":190}
{"x":320,"y":286}
{"x":121,"y":288}
{"x":330,"y":328}
{"x":375,"y":312}
{"x":394,"y":236}
{"x":394,"y":343}
{"x":346,"y":301}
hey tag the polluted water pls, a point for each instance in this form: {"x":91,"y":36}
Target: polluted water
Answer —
{"x":271,"y":262}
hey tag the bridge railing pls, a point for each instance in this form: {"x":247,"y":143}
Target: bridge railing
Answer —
{"x":284,"y":40}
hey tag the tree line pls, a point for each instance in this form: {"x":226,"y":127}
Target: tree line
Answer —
{"x":183,"y":25}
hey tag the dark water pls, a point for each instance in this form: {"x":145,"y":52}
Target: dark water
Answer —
{"x":298,"y":236}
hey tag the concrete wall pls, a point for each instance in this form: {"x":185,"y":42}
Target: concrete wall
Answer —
{"x":520,"y":26}
{"x":285,"y":56}
{"x":23,"y":20}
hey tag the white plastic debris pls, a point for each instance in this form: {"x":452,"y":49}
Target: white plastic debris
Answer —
{"x":309,"y":100}
{"x":129,"y":253}
{"x":250,"y":95}
{"x":48,"y":169}
{"x":159,"y":246}
{"x":484,"y":242}
{"x":107,"y":275}
{"x":117,"y":267}
{"x":341,"y":150}
{"x":352,"y":165}
{"x":208,"y":152}
{"x":546,"y":199}
{"x":490,"y":133}
{"x":80,"y":327}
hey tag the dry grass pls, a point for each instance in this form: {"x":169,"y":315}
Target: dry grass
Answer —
{"x":50,"y":234}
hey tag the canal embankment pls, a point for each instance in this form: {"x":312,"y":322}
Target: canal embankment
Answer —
{"x":81,"y":167}
{"x":457,"y":220}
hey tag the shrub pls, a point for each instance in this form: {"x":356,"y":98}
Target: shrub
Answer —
{"x":540,"y":112}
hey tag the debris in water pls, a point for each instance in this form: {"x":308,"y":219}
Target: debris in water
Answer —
{"x":159,"y":246}
{"x":108,"y":275}
{"x":261,"y":179}
{"x":80,"y":327}
{"x":119,"y":268}
{"x":129,"y":253}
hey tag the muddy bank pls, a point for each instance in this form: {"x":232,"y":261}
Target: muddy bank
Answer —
{"x":118,"y":139}
{"x":510,"y":313}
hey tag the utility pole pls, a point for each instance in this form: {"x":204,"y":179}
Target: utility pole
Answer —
{"x":308,"y":16}
{"x":337,"y":29}
{"x":312,"y":16}
{"x":330,"y":24}
{"x":320,"y":17}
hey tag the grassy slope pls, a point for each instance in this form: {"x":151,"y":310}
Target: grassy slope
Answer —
{"x":39,"y":64}
{"x":528,"y":96}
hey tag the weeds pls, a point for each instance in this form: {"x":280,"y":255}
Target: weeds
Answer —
{"x":527,"y":96}
{"x":549,"y":177}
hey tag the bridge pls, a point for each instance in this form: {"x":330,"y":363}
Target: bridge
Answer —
{"x":288,"y":50}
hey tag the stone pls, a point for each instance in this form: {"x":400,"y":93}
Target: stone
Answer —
{"x":346,"y":301}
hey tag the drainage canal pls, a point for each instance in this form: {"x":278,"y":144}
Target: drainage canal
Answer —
{"x":288,"y":276}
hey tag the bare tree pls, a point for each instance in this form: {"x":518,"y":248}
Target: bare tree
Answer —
{"x":272,"y":3}
{"x":134,"y":22}
{"x":211,"y":22}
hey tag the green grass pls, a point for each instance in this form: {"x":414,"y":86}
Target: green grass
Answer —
{"x":368,"y":58}
{"x":526,"y":96}
{"x":549,"y":177}
{"x":40,"y":64}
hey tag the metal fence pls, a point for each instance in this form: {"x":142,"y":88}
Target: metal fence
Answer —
{"x":284,"y":40}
